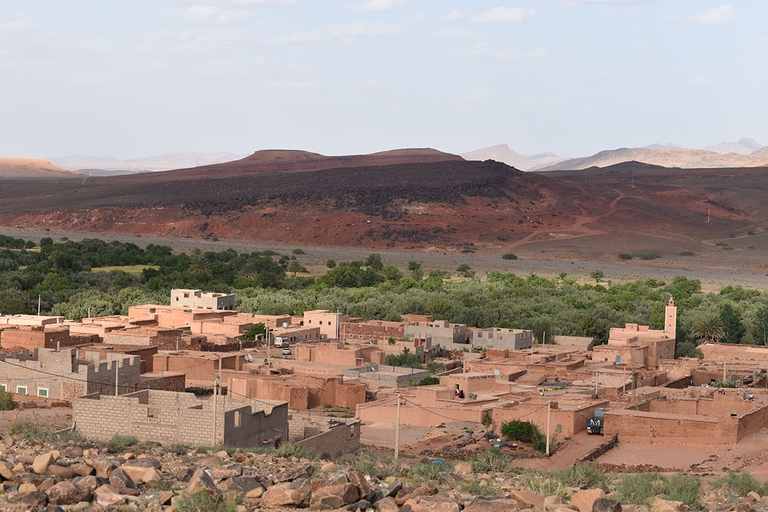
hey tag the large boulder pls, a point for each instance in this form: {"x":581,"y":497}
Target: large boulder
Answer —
{"x":142,"y":474}
{"x":432,"y":504}
{"x":41,"y":463}
{"x":67,"y":493}
{"x":660,"y":505}
{"x":407,"y":493}
{"x":287,"y":494}
{"x":481,"y":504}
{"x":584,"y":500}
{"x":357,"y":479}
{"x":334,"y":496}
{"x":201,"y":480}
{"x":528,"y":499}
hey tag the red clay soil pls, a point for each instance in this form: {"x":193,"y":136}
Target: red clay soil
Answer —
{"x":420,"y":200}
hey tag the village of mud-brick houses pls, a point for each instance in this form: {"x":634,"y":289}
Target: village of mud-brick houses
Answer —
{"x":183,"y":374}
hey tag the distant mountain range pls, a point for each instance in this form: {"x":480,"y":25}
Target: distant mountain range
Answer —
{"x":503,"y":153}
{"x":744,"y":153}
{"x":111,"y":166}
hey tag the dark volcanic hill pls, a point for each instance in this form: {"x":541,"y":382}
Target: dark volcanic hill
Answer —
{"x":280,"y":160}
{"x":409,"y":199}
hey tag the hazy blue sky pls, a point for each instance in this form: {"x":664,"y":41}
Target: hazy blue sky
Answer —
{"x":131,"y":78}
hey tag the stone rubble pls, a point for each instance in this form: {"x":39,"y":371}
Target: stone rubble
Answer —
{"x":51,"y":476}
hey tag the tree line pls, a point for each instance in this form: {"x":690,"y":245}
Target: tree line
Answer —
{"x":63,"y":276}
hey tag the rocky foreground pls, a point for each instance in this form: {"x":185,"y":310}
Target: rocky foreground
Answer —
{"x":74,"y":475}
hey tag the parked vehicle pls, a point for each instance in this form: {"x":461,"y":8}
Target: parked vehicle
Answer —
{"x":280,"y":341}
{"x":287,"y":352}
{"x":596,"y":424}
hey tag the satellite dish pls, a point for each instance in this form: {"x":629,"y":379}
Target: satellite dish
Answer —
{"x":249,"y":357}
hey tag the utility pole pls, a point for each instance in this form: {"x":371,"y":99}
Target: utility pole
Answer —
{"x":268,"y":346}
{"x":597,"y":375}
{"x":549,"y":407}
{"x":216,"y":403}
{"x":117,"y":377}
{"x":725,"y":374}
{"x":397,"y":429}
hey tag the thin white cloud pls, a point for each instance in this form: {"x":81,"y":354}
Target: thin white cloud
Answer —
{"x":611,"y":2}
{"x":717,"y":15}
{"x":484,"y":51}
{"x":378,"y":5}
{"x":713,"y":17}
{"x":344,"y":33}
{"x":254,"y":3}
{"x":211,"y":15}
{"x":697,"y":82}
{"x":496,"y":15}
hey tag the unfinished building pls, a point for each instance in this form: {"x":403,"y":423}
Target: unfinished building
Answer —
{"x":166,"y":417}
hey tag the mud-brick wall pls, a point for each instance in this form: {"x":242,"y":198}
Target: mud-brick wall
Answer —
{"x":665,"y":428}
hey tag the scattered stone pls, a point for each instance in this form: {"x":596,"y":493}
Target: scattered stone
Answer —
{"x":606,"y":505}
{"x":462,"y":468}
{"x":201,"y":480}
{"x":6,"y":470}
{"x":107,"y":496}
{"x":67,"y":493}
{"x":41,"y":463}
{"x":387,"y":504}
{"x":61,"y":472}
{"x":481,"y":504}
{"x":34,"y":499}
{"x":527,"y":499}
{"x":357,"y":479}
{"x":82,"y":469}
{"x":300,"y":471}
{"x":122,"y":481}
{"x":553,"y":502}
{"x":27,"y":487}
{"x":144,"y":462}
{"x":245,"y":484}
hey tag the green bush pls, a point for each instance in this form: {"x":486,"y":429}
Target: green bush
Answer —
{"x":721,"y":244}
{"x":642,"y":488}
{"x":427,"y":472}
{"x":476,"y":488}
{"x":625,"y":256}
{"x":493,"y":460}
{"x":119,"y":443}
{"x":740,"y":484}
{"x":291,"y":449}
{"x":202,"y":501}
{"x":542,"y":486}
{"x":517,"y":430}
{"x":6,"y":401}
{"x":687,"y":253}
{"x":298,"y":251}
{"x":435,"y":367}
{"x":487,"y":419}
{"x":649,"y":255}
{"x":685,"y":488}
{"x":509,"y":256}
{"x":427,"y":381}
{"x":583,"y":476}
{"x":380,"y":467}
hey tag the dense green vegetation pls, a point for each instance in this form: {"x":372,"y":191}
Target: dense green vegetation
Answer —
{"x":60,"y":273}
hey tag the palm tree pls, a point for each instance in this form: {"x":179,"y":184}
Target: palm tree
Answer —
{"x":708,"y":328}
{"x":198,"y":263}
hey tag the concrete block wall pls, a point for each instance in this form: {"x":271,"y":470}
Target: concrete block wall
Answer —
{"x":167,"y":417}
{"x":336,"y":441}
